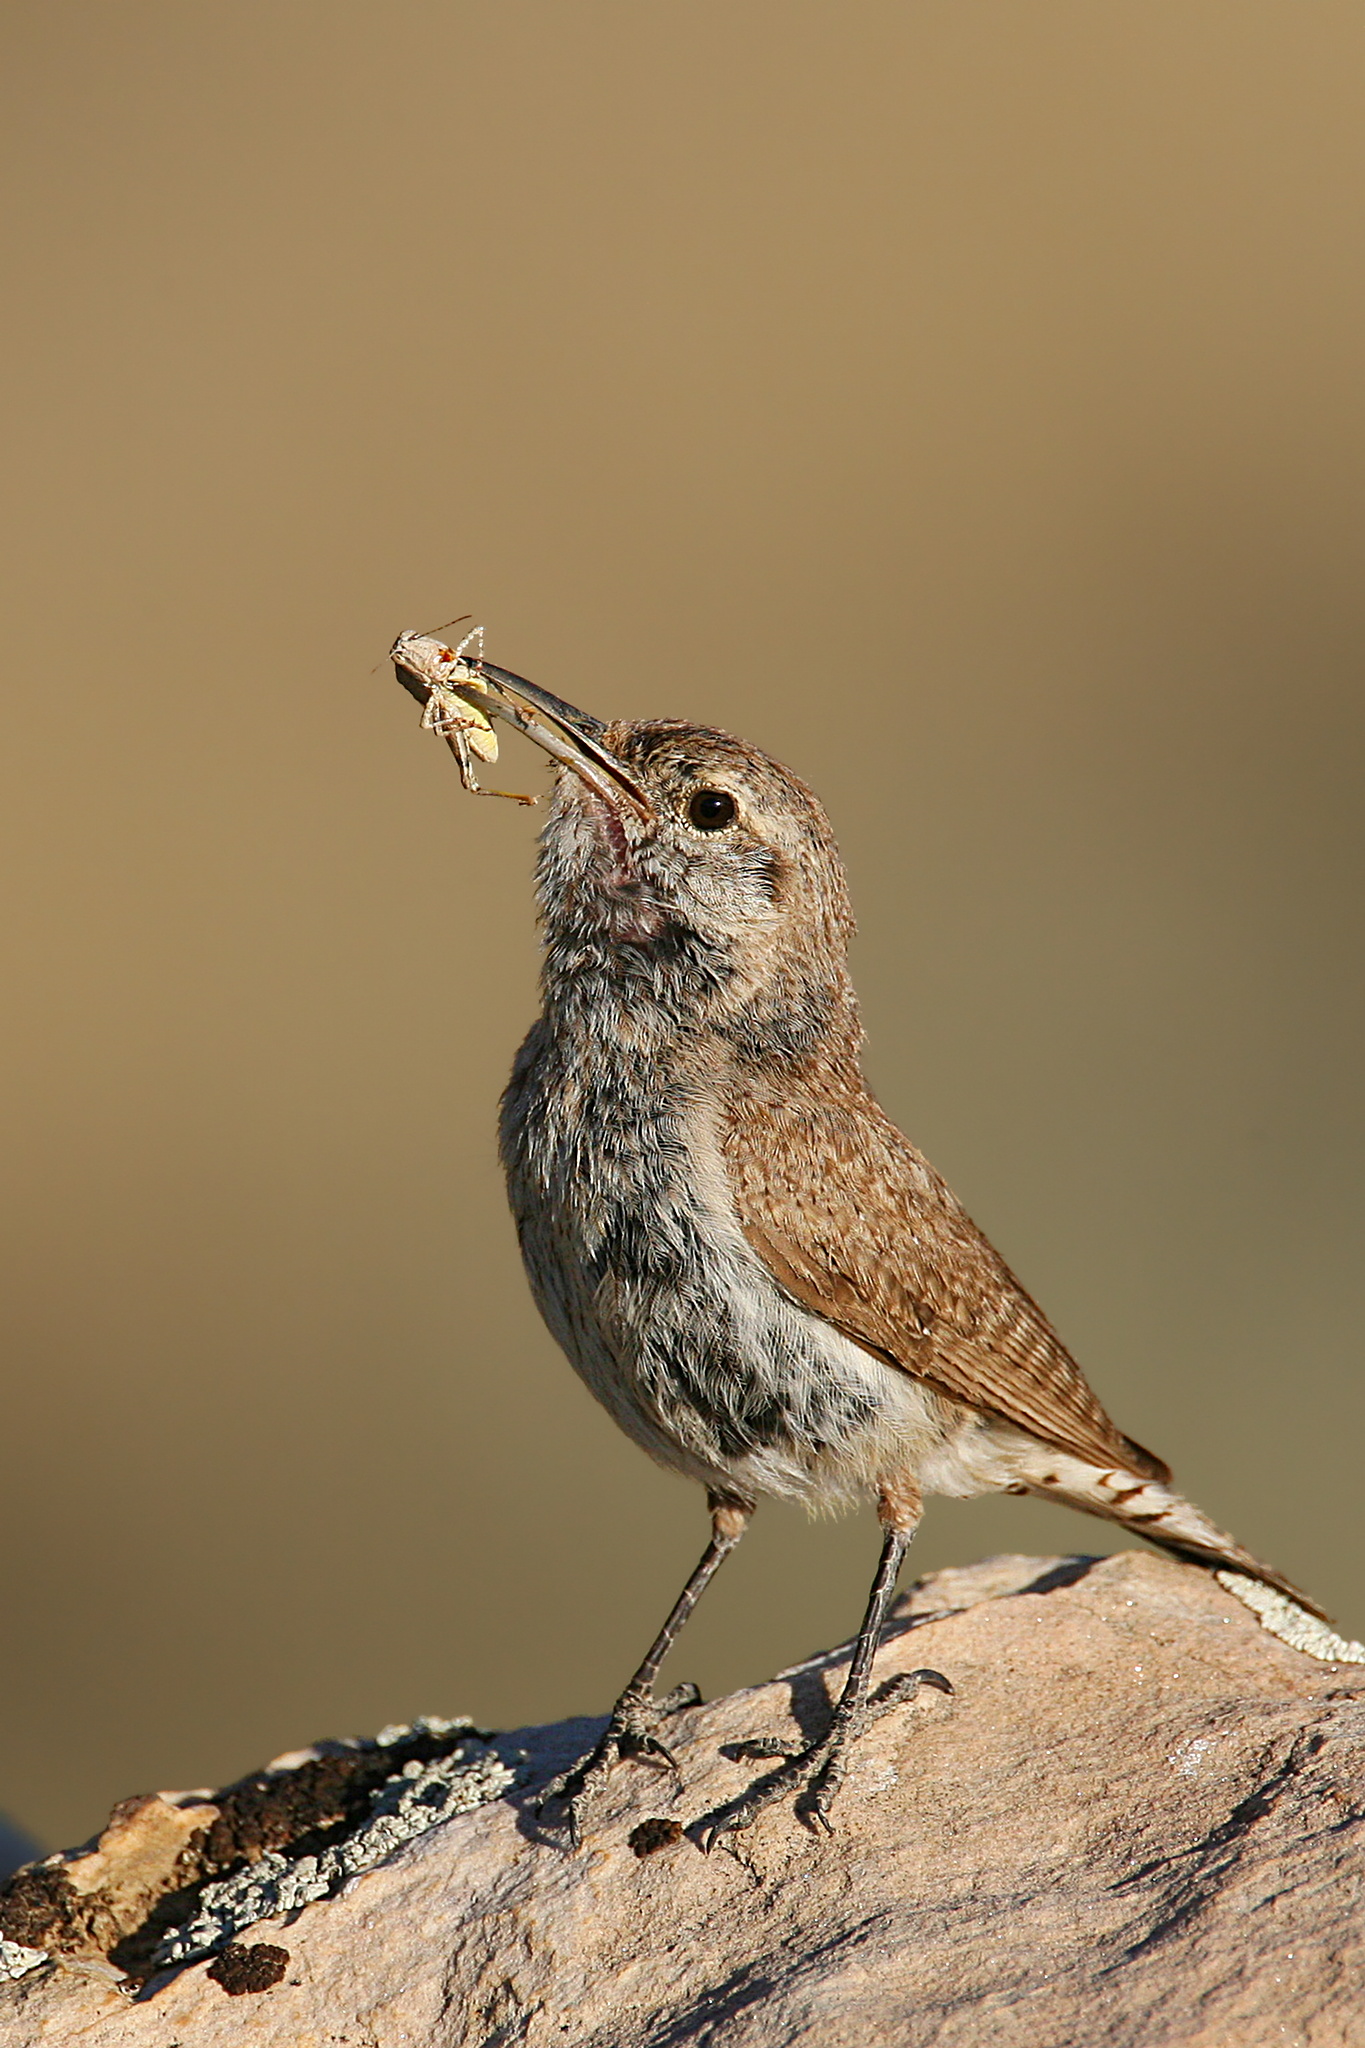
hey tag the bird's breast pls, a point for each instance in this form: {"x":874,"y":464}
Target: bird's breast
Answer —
{"x":642,"y":1272}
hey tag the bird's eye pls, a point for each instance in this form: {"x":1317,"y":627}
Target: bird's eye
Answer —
{"x":711,"y":809}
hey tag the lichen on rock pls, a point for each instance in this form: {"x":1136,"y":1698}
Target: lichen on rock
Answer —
{"x":1283,"y":1617}
{"x":176,"y":1875}
{"x":17,"y":1959}
{"x":417,"y":1799}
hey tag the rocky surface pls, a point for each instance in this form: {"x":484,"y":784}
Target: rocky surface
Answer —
{"x":1139,"y":1820}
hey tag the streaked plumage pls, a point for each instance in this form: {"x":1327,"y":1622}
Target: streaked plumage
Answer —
{"x":758,"y":1275}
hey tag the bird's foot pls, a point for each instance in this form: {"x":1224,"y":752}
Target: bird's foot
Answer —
{"x":629,"y":1733}
{"x":814,"y":1773}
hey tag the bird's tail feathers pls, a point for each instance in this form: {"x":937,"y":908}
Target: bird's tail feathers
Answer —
{"x":1155,"y":1511}
{"x":1147,"y":1462}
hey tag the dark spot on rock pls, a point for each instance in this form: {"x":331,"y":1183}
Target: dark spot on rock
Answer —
{"x":298,"y":1812}
{"x":240,"y":1969}
{"x":654,"y":1834}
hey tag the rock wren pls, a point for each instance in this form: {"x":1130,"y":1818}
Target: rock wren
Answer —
{"x":757,"y":1275}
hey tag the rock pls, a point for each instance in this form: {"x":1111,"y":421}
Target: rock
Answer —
{"x":174,"y":1874}
{"x":1140,"y":1820}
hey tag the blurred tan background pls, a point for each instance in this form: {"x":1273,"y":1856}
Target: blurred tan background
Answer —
{"x":964,"y":401}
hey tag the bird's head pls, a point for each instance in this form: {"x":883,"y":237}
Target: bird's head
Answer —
{"x":707,"y":881}
{"x":687,"y":880}
{"x":684,"y":871}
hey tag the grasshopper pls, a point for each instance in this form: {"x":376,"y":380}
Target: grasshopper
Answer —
{"x":452,"y":684}
{"x":461,"y":694}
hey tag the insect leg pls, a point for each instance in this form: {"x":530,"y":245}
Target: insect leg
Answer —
{"x":459,"y":747}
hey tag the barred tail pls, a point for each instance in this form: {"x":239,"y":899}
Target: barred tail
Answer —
{"x":1155,"y":1511}
{"x":1177,"y":1525}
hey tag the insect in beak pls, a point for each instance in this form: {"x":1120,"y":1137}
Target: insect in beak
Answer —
{"x":460,"y":693}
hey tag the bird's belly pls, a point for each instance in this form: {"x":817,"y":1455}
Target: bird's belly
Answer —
{"x":685,"y":1338}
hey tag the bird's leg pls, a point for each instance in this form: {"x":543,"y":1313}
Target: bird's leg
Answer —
{"x":820,"y":1768}
{"x":636,"y":1715}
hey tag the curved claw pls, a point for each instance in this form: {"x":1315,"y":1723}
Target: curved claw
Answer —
{"x":687,"y":1694}
{"x":820,"y":1769}
{"x":903,"y":1687}
{"x":568,"y":1788}
{"x":569,"y":1800}
{"x":562,"y":1791}
{"x":554,"y":1793}
{"x":627,"y":1735}
{"x":646,"y":1746}
{"x":934,"y":1678}
{"x":744,"y":1811}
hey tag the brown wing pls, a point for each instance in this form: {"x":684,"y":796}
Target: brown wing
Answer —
{"x":856,"y":1225}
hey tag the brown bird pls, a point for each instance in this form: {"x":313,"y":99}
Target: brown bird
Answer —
{"x":760,"y":1278}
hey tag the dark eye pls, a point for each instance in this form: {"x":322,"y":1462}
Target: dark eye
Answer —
{"x":711,"y":809}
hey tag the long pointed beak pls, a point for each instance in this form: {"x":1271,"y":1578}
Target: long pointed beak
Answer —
{"x":567,"y":734}
{"x":570,"y":735}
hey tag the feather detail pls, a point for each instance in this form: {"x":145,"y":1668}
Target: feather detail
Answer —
{"x":854,"y":1224}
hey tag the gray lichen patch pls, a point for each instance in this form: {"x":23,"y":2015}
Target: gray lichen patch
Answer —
{"x":170,"y":1863}
{"x":419,"y":1798}
{"x":1284,"y":1618}
{"x":17,"y":1959}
